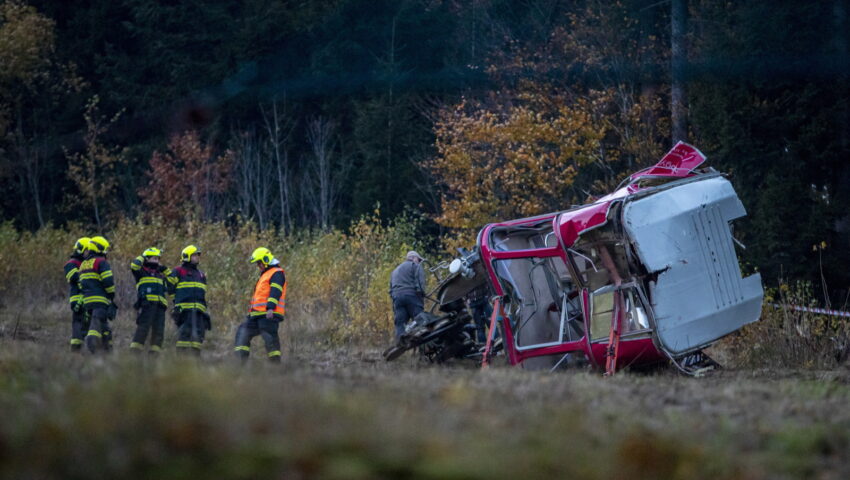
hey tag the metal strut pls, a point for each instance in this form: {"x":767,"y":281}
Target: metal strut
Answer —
{"x":613,"y":351}
{"x":497,"y":315}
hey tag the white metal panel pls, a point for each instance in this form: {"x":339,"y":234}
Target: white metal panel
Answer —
{"x":683,"y":234}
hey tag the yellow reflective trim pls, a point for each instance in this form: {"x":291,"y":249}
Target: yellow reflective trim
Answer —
{"x":242,"y":348}
{"x":110,"y":289}
{"x":274,"y":285}
{"x":196,"y":345}
{"x":106,"y":274}
{"x":70,"y":274}
{"x":273,"y":300}
{"x":76,"y":341}
{"x":182,"y":344}
{"x":89,"y":276}
{"x":156,"y":348}
{"x":257,"y":314}
{"x":94,"y":333}
{"x":75,"y":298}
{"x":95,"y":299}
{"x":192,"y":285}
{"x":192,"y":306}
{"x":136,"y":346}
{"x":145,"y":280}
{"x":275,"y":353}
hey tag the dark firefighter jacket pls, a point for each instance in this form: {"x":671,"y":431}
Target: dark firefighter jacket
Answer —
{"x":96,"y":282}
{"x":269,"y":293}
{"x":72,"y":276}
{"x":189,"y":286}
{"x":151,"y":283}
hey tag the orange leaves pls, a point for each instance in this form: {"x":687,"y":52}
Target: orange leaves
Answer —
{"x":183,"y":178}
{"x":516,"y":162}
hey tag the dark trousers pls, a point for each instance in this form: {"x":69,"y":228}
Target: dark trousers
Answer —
{"x":267,"y":329}
{"x":481,"y":312}
{"x":405,"y":308}
{"x":78,"y":329}
{"x":99,"y":334}
{"x":191,"y":327}
{"x":151,"y":319}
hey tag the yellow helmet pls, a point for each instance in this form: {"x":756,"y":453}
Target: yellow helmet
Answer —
{"x":152,"y":252}
{"x":262,"y":255}
{"x":82,"y":245}
{"x":98,"y":244}
{"x":187,"y":252}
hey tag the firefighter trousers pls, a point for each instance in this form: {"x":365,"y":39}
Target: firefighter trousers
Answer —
{"x":191,"y":327}
{"x":99,"y":334}
{"x":78,"y":329}
{"x":267,"y":329}
{"x":151,"y":320}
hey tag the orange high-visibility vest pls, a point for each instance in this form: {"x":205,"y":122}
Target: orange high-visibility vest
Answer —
{"x":261,"y":293}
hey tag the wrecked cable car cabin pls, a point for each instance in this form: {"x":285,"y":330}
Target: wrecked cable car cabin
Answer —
{"x":645,"y":274}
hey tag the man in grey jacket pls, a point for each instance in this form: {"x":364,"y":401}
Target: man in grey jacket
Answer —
{"x":407,"y":289}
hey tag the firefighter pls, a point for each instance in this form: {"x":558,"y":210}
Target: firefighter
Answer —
{"x":189,"y":286}
{"x":75,"y":296}
{"x":267,"y":309}
{"x":98,"y":290}
{"x":150,"y":303}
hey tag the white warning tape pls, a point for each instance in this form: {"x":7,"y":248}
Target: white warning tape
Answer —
{"x":820,"y":311}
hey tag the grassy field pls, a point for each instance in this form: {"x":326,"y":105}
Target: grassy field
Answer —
{"x":337,"y":411}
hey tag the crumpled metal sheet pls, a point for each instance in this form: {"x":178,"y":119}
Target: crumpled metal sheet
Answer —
{"x":683,"y":235}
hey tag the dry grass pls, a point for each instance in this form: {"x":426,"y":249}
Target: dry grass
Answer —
{"x":340,"y":412}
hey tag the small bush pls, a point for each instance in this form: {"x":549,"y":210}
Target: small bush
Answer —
{"x":788,"y":338}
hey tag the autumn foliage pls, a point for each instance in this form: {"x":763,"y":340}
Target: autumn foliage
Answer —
{"x":509,"y":163}
{"x":552,"y":135}
{"x":183,"y":179}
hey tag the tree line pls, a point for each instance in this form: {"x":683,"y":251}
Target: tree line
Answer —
{"x":311,"y":114}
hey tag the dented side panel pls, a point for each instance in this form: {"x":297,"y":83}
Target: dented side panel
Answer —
{"x":683,"y":235}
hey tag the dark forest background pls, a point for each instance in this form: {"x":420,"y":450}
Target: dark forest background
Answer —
{"x":311,"y":114}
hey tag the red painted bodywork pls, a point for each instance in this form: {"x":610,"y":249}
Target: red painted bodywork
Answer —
{"x":679,"y":162}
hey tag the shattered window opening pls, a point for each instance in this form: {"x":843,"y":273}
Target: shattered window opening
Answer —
{"x":541,"y":301}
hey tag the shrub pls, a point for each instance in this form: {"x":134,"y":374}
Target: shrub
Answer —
{"x":790,"y":338}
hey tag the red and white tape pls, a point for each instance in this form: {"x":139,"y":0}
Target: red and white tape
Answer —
{"x":819,"y":311}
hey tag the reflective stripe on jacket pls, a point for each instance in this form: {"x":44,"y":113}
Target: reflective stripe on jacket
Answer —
{"x":72,"y":276}
{"x":269,"y":293}
{"x":96,"y":282}
{"x":189,"y":286}
{"x":150,"y":282}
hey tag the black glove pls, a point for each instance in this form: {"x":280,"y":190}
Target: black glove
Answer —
{"x":111,"y":311}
